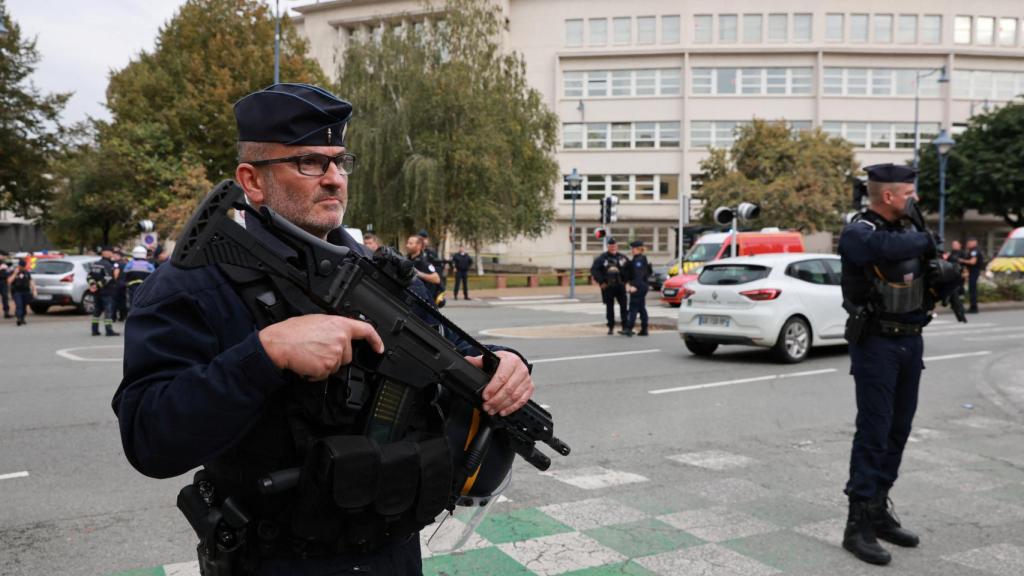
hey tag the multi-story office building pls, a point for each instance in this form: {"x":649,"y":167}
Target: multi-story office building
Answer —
{"x":644,"y":88}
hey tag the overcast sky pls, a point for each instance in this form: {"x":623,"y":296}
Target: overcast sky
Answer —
{"x":81,"y":41}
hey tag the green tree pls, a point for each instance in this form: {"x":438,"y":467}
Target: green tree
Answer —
{"x":29,"y":126}
{"x":449,"y":134}
{"x":173,"y":128}
{"x":801,"y":180}
{"x":985,"y":170}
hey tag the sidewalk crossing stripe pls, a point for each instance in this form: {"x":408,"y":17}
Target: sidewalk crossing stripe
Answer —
{"x":13,"y":475}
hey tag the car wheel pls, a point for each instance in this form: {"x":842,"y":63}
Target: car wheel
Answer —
{"x":88,"y":303}
{"x":794,"y":341}
{"x":39,"y":308}
{"x":701,"y":348}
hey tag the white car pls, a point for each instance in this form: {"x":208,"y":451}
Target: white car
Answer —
{"x":788,"y":302}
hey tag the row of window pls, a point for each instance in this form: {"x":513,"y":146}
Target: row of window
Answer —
{"x":985,"y":30}
{"x":752,"y":81}
{"x":880,"y":82}
{"x":883,"y":28}
{"x":658,"y":239}
{"x":782,"y":27}
{"x":987,"y":85}
{"x":716,"y":134}
{"x":622,"y":31}
{"x":605,"y":135}
{"x":601,"y":83}
{"x":627,"y":187}
{"x":797,"y":81}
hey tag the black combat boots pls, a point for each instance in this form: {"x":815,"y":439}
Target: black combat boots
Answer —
{"x":887,"y":525}
{"x":859,"y":537}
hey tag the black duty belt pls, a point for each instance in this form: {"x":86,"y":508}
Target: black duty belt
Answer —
{"x":890,"y":328}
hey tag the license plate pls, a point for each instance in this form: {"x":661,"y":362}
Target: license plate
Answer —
{"x":670,"y":293}
{"x":722,"y":321}
{"x":44,"y":297}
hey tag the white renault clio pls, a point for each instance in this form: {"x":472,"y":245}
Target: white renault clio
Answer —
{"x":788,"y":302}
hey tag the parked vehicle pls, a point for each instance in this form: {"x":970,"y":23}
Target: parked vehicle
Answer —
{"x":63,"y":282}
{"x":659,"y":274}
{"x":711,"y":247}
{"x":1010,"y":258}
{"x":787,"y":302}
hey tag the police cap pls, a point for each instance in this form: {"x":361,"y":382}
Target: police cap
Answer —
{"x":293,"y":114}
{"x":891,"y":173}
{"x":612,"y":241}
{"x":423,"y":234}
{"x":636,"y":244}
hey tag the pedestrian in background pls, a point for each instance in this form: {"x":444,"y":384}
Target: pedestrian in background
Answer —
{"x":427,"y":272}
{"x":371,"y":242}
{"x":610,"y":271}
{"x":5,"y":272}
{"x":639,"y":271}
{"x":136,"y":272}
{"x":462,"y":263}
{"x":23,"y":289}
{"x":955,"y":254}
{"x":974,"y":260}
{"x":103,"y":276}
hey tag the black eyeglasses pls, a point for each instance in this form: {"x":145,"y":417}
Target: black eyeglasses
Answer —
{"x":314,"y":164}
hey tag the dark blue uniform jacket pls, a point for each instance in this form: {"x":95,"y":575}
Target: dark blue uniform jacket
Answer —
{"x":862,"y":245}
{"x":196,"y":377}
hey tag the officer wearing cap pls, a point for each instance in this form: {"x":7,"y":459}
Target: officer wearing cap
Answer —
{"x":103,"y":277}
{"x":611,"y":272}
{"x":883,"y":284}
{"x":209,"y":382}
{"x":639,"y":271}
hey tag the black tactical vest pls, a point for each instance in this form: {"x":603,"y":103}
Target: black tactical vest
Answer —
{"x":890,"y":288}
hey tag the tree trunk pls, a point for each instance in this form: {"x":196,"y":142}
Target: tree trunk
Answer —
{"x":476,"y":257}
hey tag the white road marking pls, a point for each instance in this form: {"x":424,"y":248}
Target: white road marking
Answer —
{"x":952,"y":356}
{"x":594,"y":477}
{"x":531,"y":302}
{"x":69,"y":353}
{"x":13,"y":475}
{"x":538,"y":297}
{"x":588,"y":356}
{"x":996,"y":338}
{"x":743,"y":381}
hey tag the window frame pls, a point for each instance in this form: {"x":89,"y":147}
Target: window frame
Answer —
{"x":568,"y":23}
{"x":668,"y":36}
{"x":777,"y":17}
{"x":722,"y":29}
{"x":900,"y":18}
{"x":640,"y":20}
{"x":616,"y":29}
{"x":760,"y":28}
{"x":875,"y":27}
{"x":809,"y":16}
{"x":592,"y":29}
{"x":829,"y":26}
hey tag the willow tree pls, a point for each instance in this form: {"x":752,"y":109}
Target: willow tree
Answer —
{"x":449,"y":135}
{"x":800,"y":179}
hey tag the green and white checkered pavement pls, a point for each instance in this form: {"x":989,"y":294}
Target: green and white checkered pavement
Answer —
{"x":775,"y":508}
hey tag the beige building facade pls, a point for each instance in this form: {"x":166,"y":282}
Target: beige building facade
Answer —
{"x":644,"y":88}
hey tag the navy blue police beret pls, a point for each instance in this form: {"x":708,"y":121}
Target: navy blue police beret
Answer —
{"x":611,"y":241}
{"x":293,"y":114}
{"x":636,"y":244}
{"x":423,"y":234}
{"x":888,"y":173}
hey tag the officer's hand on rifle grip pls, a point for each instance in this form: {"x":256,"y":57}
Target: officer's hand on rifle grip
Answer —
{"x":316,"y":345}
{"x":511,"y":386}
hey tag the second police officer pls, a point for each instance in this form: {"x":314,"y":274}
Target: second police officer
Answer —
{"x":639,"y":271}
{"x":611,"y":272}
{"x":884,"y":289}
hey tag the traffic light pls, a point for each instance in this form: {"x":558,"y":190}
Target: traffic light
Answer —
{"x":604,"y":213}
{"x":611,"y":208}
{"x":600,"y":233}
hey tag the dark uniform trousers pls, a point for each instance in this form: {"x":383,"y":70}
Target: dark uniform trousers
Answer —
{"x":887,"y":372}
{"x":611,"y":295}
{"x":638,"y":306}
{"x":462,"y":279}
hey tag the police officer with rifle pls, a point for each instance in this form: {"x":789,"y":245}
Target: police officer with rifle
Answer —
{"x":892,"y":277}
{"x":312,"y":384}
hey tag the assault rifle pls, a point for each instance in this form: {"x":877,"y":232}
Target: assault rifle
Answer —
{"x":341,"y":282}
{"x":943,"y":277}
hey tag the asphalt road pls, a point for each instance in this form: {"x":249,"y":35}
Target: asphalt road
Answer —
{"x":734,"y":461}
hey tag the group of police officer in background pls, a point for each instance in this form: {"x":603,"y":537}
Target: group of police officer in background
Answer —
{"x":113,"y":281}
{"x":621,"y":277}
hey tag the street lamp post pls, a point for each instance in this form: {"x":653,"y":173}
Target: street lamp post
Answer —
{"x":943,"y":144}
{"x":573,"y":180}
{"x":943,"y":79}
